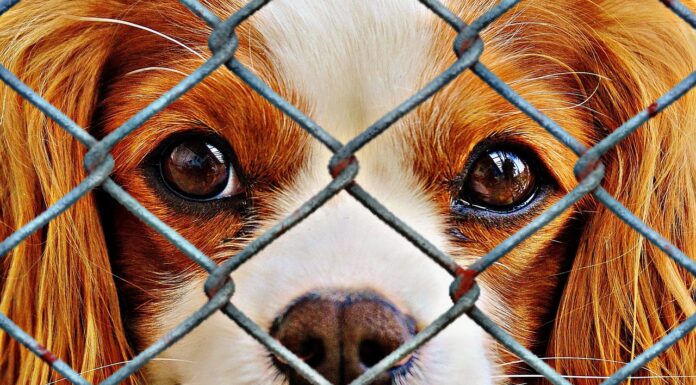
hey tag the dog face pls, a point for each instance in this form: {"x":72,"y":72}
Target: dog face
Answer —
{"x":342,"y":289}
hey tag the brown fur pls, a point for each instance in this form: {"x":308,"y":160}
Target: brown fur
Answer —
{"x":620,"y":296}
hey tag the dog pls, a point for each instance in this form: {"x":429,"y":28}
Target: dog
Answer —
{"x":342,"y":289}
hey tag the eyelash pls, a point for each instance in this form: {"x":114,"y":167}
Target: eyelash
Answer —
{"x":406,"y":371}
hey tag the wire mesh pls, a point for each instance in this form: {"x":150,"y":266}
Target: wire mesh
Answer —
{"x":344,"y":166}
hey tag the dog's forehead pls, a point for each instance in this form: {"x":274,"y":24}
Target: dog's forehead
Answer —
{"x":352,"y":62}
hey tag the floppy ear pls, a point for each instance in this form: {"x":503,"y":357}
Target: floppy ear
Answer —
{"x":623,"y":293}
{"x":57,"y":285}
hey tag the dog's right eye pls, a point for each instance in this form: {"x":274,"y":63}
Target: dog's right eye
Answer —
{"x":197,"y":169}
{"x":499,"y":180}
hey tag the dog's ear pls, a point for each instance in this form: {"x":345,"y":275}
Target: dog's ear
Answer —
{"x":623,"y":294}
{"x":57,"y":285}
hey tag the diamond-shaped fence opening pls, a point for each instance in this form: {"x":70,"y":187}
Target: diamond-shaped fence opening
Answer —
{"x":344,"y":167}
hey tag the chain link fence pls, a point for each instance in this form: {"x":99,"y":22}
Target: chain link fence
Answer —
{"x":344,"y":167}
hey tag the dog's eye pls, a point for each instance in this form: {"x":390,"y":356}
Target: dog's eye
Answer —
{"x":499,"y":180}
{"x":197,"y":169}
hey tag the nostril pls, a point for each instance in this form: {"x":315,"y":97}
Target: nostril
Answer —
{"x":371,"y":352}
{"x":312,"y":351}
{"x":341,"y":335}
{"x":309,"y":328}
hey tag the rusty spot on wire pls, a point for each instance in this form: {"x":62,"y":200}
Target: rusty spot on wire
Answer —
{"x":653,"y":109}
{"x":465,"y":281}
{"x":46,"y":355}
{"x":341,"y":165}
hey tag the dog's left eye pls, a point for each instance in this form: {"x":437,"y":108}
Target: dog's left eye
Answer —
{"x":198,"y":169}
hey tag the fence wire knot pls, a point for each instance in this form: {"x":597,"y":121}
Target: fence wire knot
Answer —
{"x":463,"y":283}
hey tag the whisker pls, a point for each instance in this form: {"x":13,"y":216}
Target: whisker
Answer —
{"x":141,"y":27}
{"x":557,"y":74}
{"x":594,"y":359}
{"x":156,"y":69}
{"x":570,"y":358}
{"x":581,"y":104}
{"x":566,"y":358}
{"x":594,"y":92}
{"x":118,"y":363}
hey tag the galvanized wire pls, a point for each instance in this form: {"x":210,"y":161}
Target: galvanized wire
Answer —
{"x":344,"y":167}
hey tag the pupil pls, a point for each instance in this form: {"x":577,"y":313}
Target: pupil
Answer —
{"x":196,"y":169}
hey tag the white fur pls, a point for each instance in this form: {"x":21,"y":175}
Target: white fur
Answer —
{"x":341,"y":246}
{"x":352,"y":62}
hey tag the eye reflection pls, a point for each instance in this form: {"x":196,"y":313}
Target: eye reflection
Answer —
{"x":499,"y":179}
{"x":198,"y":170}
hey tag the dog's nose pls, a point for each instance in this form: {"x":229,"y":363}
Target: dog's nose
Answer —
{"x":342,"y":334}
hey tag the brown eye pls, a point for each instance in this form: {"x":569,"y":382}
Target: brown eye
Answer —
{"x":499,"y":180}
{"x":197,"y":169}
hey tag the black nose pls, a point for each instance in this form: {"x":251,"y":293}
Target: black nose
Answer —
{"x":342,"y":334}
